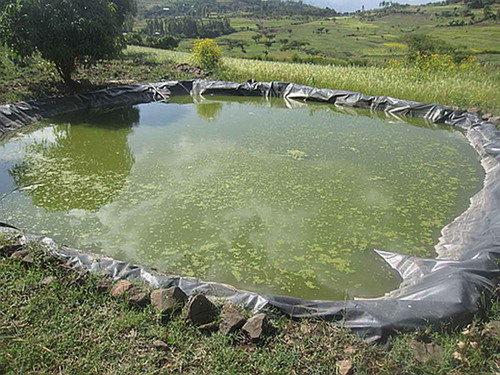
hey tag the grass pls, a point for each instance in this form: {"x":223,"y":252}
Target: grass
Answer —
{"x":37,"y":79}
{"x":70,"y":327}
{"x":476,"y":88}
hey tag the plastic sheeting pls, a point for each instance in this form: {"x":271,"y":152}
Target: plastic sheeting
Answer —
{"x":447,"y":289}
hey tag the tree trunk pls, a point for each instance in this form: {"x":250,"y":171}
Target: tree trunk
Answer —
{"x":65,"y":70}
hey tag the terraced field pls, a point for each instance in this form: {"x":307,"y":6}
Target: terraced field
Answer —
{"x":369,"y":36}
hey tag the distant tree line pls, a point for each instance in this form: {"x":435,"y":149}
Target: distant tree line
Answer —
{"x":188,"y":27}
{"x":249,"y":8}
{"x":471,"y":4}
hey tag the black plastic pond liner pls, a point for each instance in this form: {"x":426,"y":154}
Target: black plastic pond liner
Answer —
{"x":448,"y":289}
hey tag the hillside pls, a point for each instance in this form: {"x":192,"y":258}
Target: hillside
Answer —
{"x":203,"y":8}
{"x":295,"y":31}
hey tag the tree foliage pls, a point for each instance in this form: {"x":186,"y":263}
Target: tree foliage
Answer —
{"x":65,"y":32}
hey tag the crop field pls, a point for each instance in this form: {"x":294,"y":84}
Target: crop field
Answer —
{"x":371,"y":36}
{"x":455,"y":88}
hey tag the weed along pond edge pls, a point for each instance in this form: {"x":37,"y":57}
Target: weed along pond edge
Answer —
{"x":446,"y":289}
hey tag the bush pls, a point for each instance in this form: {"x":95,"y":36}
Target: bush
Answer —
{"x":206,"y":54}
{"x":165,"y":42}
{"x":134,"y":39}
{"x":437,"y":62}
{"x":424,"y":45}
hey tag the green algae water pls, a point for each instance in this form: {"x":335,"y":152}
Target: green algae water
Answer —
{"x":245,"y":192}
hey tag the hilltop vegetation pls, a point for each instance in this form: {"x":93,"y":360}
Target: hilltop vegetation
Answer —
{"x":206,"y":8}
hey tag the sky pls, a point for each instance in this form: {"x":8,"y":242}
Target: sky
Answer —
{"x":352,"y":5}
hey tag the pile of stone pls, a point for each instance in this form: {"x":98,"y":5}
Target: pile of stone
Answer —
{"x":197,"y":309}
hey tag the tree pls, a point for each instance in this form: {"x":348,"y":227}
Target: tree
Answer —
{"x":65,"y":32}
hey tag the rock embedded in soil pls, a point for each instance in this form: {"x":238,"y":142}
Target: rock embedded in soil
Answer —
{"x":200,"y":310}
{"x":168,"y":300}
{"x":28,"y":259}
{"x":10,"y":249}
{"x":345,"y":367}
{"x":19,"y":254}
{"x":104,"y":285}
{"x":138,"y":297}
{"x":160,"y":345}
{"x":425,"y":352}
{"x":495,"y":120}
{"x":256,"y":326}
{"x":120,"y":288}
{"x":232,"y":319}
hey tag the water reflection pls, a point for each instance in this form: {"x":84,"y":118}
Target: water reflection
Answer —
{"x":78,"y":168}
{"x":208,"y":110}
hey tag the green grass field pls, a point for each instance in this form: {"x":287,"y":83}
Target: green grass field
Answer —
{"x":68,"y":326}
{"x":464,"y":89}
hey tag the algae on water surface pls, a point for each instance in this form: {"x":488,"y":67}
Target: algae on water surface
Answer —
{"x":245,"y":192}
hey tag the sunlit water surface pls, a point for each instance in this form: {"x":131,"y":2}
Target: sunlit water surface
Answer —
{"x":244,"y":192}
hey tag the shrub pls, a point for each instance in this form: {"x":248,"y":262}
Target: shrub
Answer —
{"x":134,"y":39}
{"x":424,"y":45}
{"x":437,"y":62}
{"x":165,"y":42}
{"x":206,"y":54}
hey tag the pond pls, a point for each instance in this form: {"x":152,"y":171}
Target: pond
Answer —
{"x":243,"y":191}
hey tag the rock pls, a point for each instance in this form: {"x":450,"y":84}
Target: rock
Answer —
{"x":256,"y":326}
{"x":138,"y":297}
{"x":426,"y":352}
{"x":160,"y":345}
{"x":19,"y":254}
{"x":231,"y":319}
{"x":120,"y":288}
{"x":10,"y":249}
{"x":495,"y":120}
{"x":104,"y":285}
{"x":487,"y":116}
{"x":168,"y":300}
{"x":48,"y":280}
{"x":28,"y":259}
{"x":344,"y":367}
{"x":209,"y":327}
{"x":473,"y":110}
{"x":200,"y":310}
